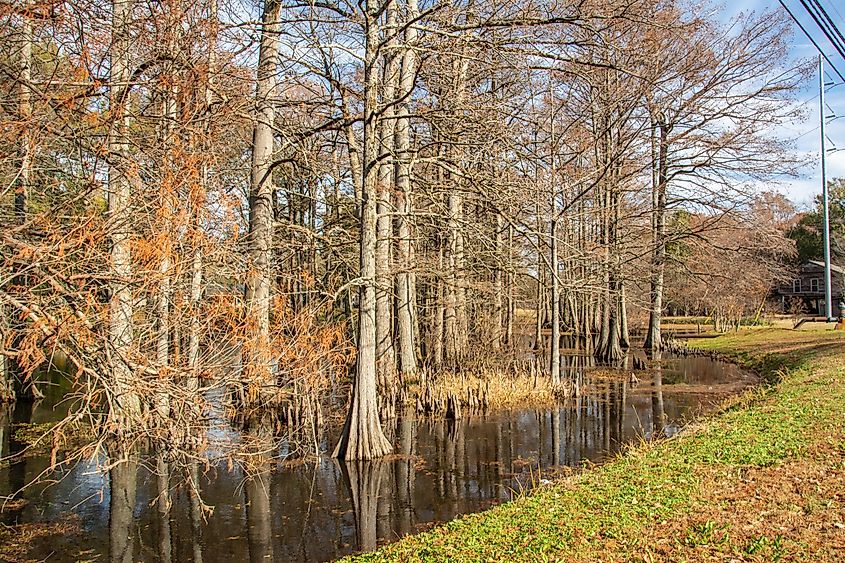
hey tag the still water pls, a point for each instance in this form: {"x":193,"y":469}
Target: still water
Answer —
{"x":321,"y":509}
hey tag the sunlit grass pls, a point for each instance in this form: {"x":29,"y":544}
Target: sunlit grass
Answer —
{"x":644,"y":504}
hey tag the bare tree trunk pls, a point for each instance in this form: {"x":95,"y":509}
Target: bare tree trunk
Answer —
{"x":166,"y":208}
{"x":24,"y":180}
{"x":624,"y":335}
{"x":163,"y":334}
{"x":511,"y":304}
{"x":7,"y":387}
{"x":541,"y":274}
{"x":385,"y":354}
{"x":362,"y":436}
{"x":612,"y":352}
{"x":456,"y":327}
{"x":354,"y":160}
{"x":405,"y":286}
{"x":260,"y":239}
{"x":7,"y":379}
{"x":196,"y":298}
{"x":197,"y":258}
{"x":555,"y":348}
{"x":120,"y":213}
{"x":658,"y":261}
{"x":498,"y":284}
{"x":461,"y":310}
{"x":439,"y":321}
{"x":613,"y":348}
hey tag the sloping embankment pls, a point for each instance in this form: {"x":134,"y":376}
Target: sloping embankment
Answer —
{"x":761,"y":480}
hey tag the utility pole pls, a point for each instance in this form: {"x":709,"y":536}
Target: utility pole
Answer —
{"x":828,"y":305}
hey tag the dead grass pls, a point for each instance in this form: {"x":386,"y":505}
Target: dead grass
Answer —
{"x":504,"y":390}
{"x":794,"y":511}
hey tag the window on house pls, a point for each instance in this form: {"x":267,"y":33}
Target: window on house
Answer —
{"x":796,"y":286}
{"x":814,"y":284}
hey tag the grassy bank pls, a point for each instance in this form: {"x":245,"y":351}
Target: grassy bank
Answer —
{"x":761,"y":480}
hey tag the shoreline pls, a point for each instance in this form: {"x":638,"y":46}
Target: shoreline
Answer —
{"x":727,"y":487}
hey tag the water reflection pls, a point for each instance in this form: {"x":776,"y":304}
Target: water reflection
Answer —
{"x":321,"y":509}
{"x":123,"y":481}
{"x":196,"y":509}
{"x":257,"y":497}
{"x":658,"y":413}
{"x":163,"y":503}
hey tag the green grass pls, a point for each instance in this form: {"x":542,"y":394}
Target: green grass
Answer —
{"x":604,"y":513}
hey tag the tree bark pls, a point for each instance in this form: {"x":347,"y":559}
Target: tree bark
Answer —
{"x":385,"y":354}
{"x":452,"y":311}
{"x":127,"y":401}
{"x":405,"y":287}
{"x":658,"y":261}
{"x":362,"y":436}
{"x":498,"y":284}
{"x":555,"y":344}
{"x":199,"y":202}
{"x":166,"y":209}
{"x":260,"y":240}
{"x":24,"y":180}
{"x":511,"y":302}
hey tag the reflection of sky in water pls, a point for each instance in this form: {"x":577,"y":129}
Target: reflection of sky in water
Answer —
{"x":443,"y":469}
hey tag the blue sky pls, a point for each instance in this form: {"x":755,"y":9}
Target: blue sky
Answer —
{"x":806,"y":134}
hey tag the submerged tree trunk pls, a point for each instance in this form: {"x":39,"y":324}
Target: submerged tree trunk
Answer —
{"x":362,"y":436}
{"x":260,"y":238}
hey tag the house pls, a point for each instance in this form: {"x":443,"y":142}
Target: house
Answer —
{"x":805,"y":293}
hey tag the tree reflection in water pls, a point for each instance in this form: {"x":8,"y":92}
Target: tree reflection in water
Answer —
{"x":318,"y":509}
{"x":123,"y":482}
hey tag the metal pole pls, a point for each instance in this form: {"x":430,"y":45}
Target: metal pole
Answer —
{"x":825,"y":219}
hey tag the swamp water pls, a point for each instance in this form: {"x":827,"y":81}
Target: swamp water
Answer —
{"x":315,"y":510}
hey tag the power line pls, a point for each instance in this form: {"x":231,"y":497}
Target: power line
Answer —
{"x":815,"y":10}
{"x":813,"y":41}
{"x":830,"y":22}
{"x":836,"y":11}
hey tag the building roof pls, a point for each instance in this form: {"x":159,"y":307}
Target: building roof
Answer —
{"x":833,"y":267}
